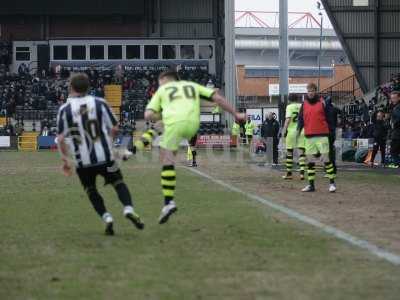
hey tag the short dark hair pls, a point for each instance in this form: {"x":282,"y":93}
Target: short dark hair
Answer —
{"x":395,"y":93}
{"x":172,"y":74}
{"x":312,"y":87}
{"x":80,"y":83}
{"x":294,"y":98}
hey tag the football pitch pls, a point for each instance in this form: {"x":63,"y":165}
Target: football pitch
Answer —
{"x":220,"y":244}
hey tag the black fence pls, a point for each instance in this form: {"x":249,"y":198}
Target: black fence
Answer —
{"x":22,"y":114}
{"x":343,"y":92}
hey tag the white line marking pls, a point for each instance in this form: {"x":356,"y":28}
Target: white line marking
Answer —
{"x":379,"y":252}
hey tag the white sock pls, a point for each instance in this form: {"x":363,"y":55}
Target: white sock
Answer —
{"x":128,"y":210}
{"x":107,"y":218}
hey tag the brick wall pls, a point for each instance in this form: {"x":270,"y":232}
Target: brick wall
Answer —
{"x":259,"y":86}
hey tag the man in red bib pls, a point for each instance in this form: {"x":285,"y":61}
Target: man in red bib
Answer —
{"x":313,"y":117}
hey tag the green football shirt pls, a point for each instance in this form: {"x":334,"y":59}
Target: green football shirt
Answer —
{"x":179,"y":101}
{"x":292,"y":112}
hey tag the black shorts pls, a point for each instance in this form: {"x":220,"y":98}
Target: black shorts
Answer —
{"x":193,"y":141}
{"x":109,"y":171}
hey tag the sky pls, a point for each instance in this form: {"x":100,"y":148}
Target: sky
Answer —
{"x":273,"y":5}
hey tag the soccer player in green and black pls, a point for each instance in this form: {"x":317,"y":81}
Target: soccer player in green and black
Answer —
{"x":177,"y":104}
{"x":292,"y":139}
{"x":313,"y":117}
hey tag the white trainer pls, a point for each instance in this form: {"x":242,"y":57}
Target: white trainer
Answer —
{"x":107,"y":218}
{"x":123,"y":154}
{"x":128,"y":210}
{"x":332,"y":188}
{"x":167,"y":211}
{"x":130,"y":214}
{"x":308,"y":189}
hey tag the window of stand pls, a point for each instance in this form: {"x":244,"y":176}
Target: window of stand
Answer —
{"x":60,"y":52}
{"x":168,"y":52}
{"x":151,"y":52}
{"x":187,"y":51}
{"x":132,"y":52}
{"x":22,"y":54}
{"x":206,"y":52}
{"x":115,"y":52}
{"x":78,"y":52}
{"x":96,"y":52}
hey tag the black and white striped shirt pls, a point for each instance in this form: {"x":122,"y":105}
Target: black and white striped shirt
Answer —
{"x":86,"y":123}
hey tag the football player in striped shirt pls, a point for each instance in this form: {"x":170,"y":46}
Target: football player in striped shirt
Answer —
{"x":177,"y":104}
{"x":86,"y":129}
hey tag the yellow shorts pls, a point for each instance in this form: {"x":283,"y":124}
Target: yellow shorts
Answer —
{"x":294,"y":141}
{"x":175,"y":133}
{"x":315,"y":145}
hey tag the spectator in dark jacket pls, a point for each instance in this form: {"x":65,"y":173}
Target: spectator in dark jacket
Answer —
{"x":364,"y":111}
{"x":395,"y":130}
{"x":379,"y":132}
{"x":332,"y":116}
{"x":270,"y":129}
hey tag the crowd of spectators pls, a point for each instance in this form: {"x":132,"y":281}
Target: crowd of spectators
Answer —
{"x":378,"y":120}
{"x":7,"y":130}
{"x":358,"y":118}
{"x":5,"y":53}
{"x":382,"y":95}
{"x":24,"y":93}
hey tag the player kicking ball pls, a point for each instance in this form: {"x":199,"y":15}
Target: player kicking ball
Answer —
{"x":292,"y":140}
{"x":313,"y":117}
{"x":86,"y":129}
{"x":177,"y":104}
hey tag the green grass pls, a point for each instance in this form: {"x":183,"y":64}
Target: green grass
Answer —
{"x":218,"y":246}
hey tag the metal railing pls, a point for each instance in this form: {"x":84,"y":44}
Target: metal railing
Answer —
{"x":243,"y":102}
{"x":343,"y":92}
{"x":22,"y":114}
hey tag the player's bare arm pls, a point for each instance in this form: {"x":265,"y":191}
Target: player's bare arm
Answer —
{"x":151,"y":115}
{"x":62,"y":146}
{"x":285,"y":127}
{"x":114,"y":131}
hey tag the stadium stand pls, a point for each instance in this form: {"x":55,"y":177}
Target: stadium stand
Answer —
{"x":37,"y":97}
{"x":358,"y":116}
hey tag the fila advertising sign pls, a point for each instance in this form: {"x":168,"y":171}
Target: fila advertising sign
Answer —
{"x":256,"y":115}
{"x":259,"y":115}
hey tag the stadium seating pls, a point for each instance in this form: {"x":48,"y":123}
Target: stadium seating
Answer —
{"x":209,"y":128}
{"x":28,"y":141}
{"x":27,"y":97}
{"x":113,"y":94}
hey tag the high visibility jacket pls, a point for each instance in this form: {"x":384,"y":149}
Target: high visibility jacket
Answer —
{"x":216,"y":110}
{"x":249,"y":128}
{"x":235,"y":129}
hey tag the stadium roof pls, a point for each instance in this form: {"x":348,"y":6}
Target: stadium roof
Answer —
{"x":299,"y":32}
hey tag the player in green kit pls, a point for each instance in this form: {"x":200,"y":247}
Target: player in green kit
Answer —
{"x":177,"y":104}
{"x":292,"y":140}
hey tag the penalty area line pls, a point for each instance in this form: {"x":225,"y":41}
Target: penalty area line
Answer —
{"x":337,"y":233}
